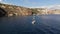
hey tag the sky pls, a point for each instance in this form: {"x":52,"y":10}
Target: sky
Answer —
{"x":32,"y":3}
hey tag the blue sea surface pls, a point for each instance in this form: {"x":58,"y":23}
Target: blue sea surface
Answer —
{"x":44,"y":24}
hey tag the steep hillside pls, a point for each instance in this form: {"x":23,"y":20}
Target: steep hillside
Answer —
{"x":12,"y":10}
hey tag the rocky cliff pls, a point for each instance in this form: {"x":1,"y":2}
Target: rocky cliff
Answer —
{"x":13,"y":10}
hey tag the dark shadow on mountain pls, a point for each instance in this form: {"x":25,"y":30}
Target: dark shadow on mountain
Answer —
{"x":2,"y":12}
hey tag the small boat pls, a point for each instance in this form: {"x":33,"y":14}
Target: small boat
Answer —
{"x":33,"y":22}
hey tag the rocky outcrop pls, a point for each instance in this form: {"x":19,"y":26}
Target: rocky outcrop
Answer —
{"x":12,"y":10}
